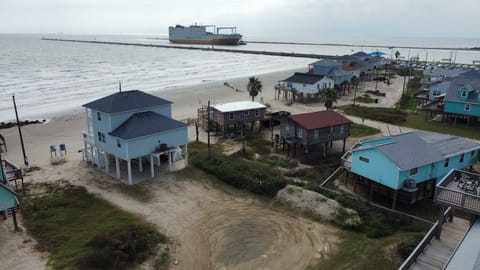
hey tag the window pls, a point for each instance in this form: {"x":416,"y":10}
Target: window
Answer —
{"x":316,"y":134}
{"x":101,"y":137}
{"x":364,"y":159}
{"x":246,"y":113}
{"x":289,"y":84}
{"x":257,"y":112}
{"x":119,"y":144}
{"x":462,"y":157}
{"x":467,"y":107}
{"x":472,"y":153}
{"x":464,"y":93}
{"x":446,"y":163}
{"x":300,"y":132}
{"x":99,"y":116}
{"x":413,"y":171}
{"x":230,"y":116}
{"x":304,"y":85}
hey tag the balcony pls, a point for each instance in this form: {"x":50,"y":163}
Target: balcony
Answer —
{"x":460,"y":189}
{"x":88,"y":138}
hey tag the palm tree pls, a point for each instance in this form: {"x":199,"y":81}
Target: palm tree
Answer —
{"x":397,"y":54}
{"x":254,"y":87}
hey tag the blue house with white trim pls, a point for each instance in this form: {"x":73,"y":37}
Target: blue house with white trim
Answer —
{"x":463,"y":95}
{"x":132,"y":129}
{"x":409,"y":164}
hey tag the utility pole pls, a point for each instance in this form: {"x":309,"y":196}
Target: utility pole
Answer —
{"x":25,"y":159}
{"x":208,"y":129}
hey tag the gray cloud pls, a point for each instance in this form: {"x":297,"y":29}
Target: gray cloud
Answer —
{"x":282,"y":18}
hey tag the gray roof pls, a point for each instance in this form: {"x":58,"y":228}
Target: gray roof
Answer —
{"x":145,"y":123}
{"x":434,"y":72}
{"x":327,"y":63}
{"x":469,"y":80}
{"x":361,"y":54}
{"x":414,"y":149}
{"x":306,"y":78}
{"x":126,"y":101}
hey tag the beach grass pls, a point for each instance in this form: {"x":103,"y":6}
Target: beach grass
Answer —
{"x":80,"y":229}
{"x":357,"y":251}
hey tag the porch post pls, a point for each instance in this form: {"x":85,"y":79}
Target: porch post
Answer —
{"x":140,"y":164}
{"x":129,"y":169}
{"x":394,"y":201}
{"x":152,"y":168}
{"x":170,"y":160}
{"x":344,"y":140}
{"x":117,"y":167}
{"x":107,"y":165}
{"x":440,"y":222}
{"x":84,"y":154}
{"x":186,"y":155}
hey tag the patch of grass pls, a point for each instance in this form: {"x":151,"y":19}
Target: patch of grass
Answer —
{"x":253,"y":176}
{"x":276,"y":161}
{"x":358,"y":130}
{"x":356,"y":251}
{"x":316,"y":174}
{"x":259,"y":145}
{"x":418,"y":121}
{"x":387,"y":115}
{"x":366,"y":99}
{"x":66,"y":222}
{"x":138,"y":192}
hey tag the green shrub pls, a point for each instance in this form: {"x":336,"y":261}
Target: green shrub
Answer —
{"x":119,"y":248}
{"x":253,"y":176}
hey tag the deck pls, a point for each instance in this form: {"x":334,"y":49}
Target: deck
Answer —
{"x":461,"y":190}
{"x":438,"y":252}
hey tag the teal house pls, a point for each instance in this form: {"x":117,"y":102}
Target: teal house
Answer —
{"x":130,"y":131}
{"x":463,"y":96}
{"x":8,"y":198}
{"x":409,"y":165}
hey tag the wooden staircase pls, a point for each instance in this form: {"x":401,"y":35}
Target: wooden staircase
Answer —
{"x":436,"y":255}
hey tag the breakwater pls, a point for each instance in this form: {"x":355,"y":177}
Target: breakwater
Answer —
{"x":289,"y":54}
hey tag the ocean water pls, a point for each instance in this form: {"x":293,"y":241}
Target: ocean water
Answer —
{"x":49,"y":77}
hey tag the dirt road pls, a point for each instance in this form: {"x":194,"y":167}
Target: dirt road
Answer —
{"x":212,"y":228}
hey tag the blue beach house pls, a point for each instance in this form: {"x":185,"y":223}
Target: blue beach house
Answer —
{"x":463,"y":96}
{"x":132,"y":129}
{"x":409,"y":165}
{"x":8,"y":198}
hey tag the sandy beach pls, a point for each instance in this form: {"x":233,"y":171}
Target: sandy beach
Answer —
{"x":213,"y":220}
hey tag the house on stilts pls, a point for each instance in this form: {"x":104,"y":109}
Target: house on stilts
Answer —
{"x":313,"y":132}
{"x":131,"y":130}
{"x":406,"y":167}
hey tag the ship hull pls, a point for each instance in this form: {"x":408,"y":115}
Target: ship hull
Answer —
{"x":216,"y":41}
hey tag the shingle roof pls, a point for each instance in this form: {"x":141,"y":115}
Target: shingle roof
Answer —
{"x":414,"y":149}
{"x":145,"y":123}
{"x":125,"y":101}
{"x":469,"y":80}
{"x":304,"y":78}
{"x":327,"y":63}
{"x":320,"y":119}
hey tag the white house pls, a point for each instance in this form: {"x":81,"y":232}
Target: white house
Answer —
{"x":308,"y":83}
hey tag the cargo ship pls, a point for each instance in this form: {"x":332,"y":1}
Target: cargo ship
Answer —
{"x":199,"y":34}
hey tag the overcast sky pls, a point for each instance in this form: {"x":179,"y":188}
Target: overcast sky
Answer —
{"x":281,"y":18}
